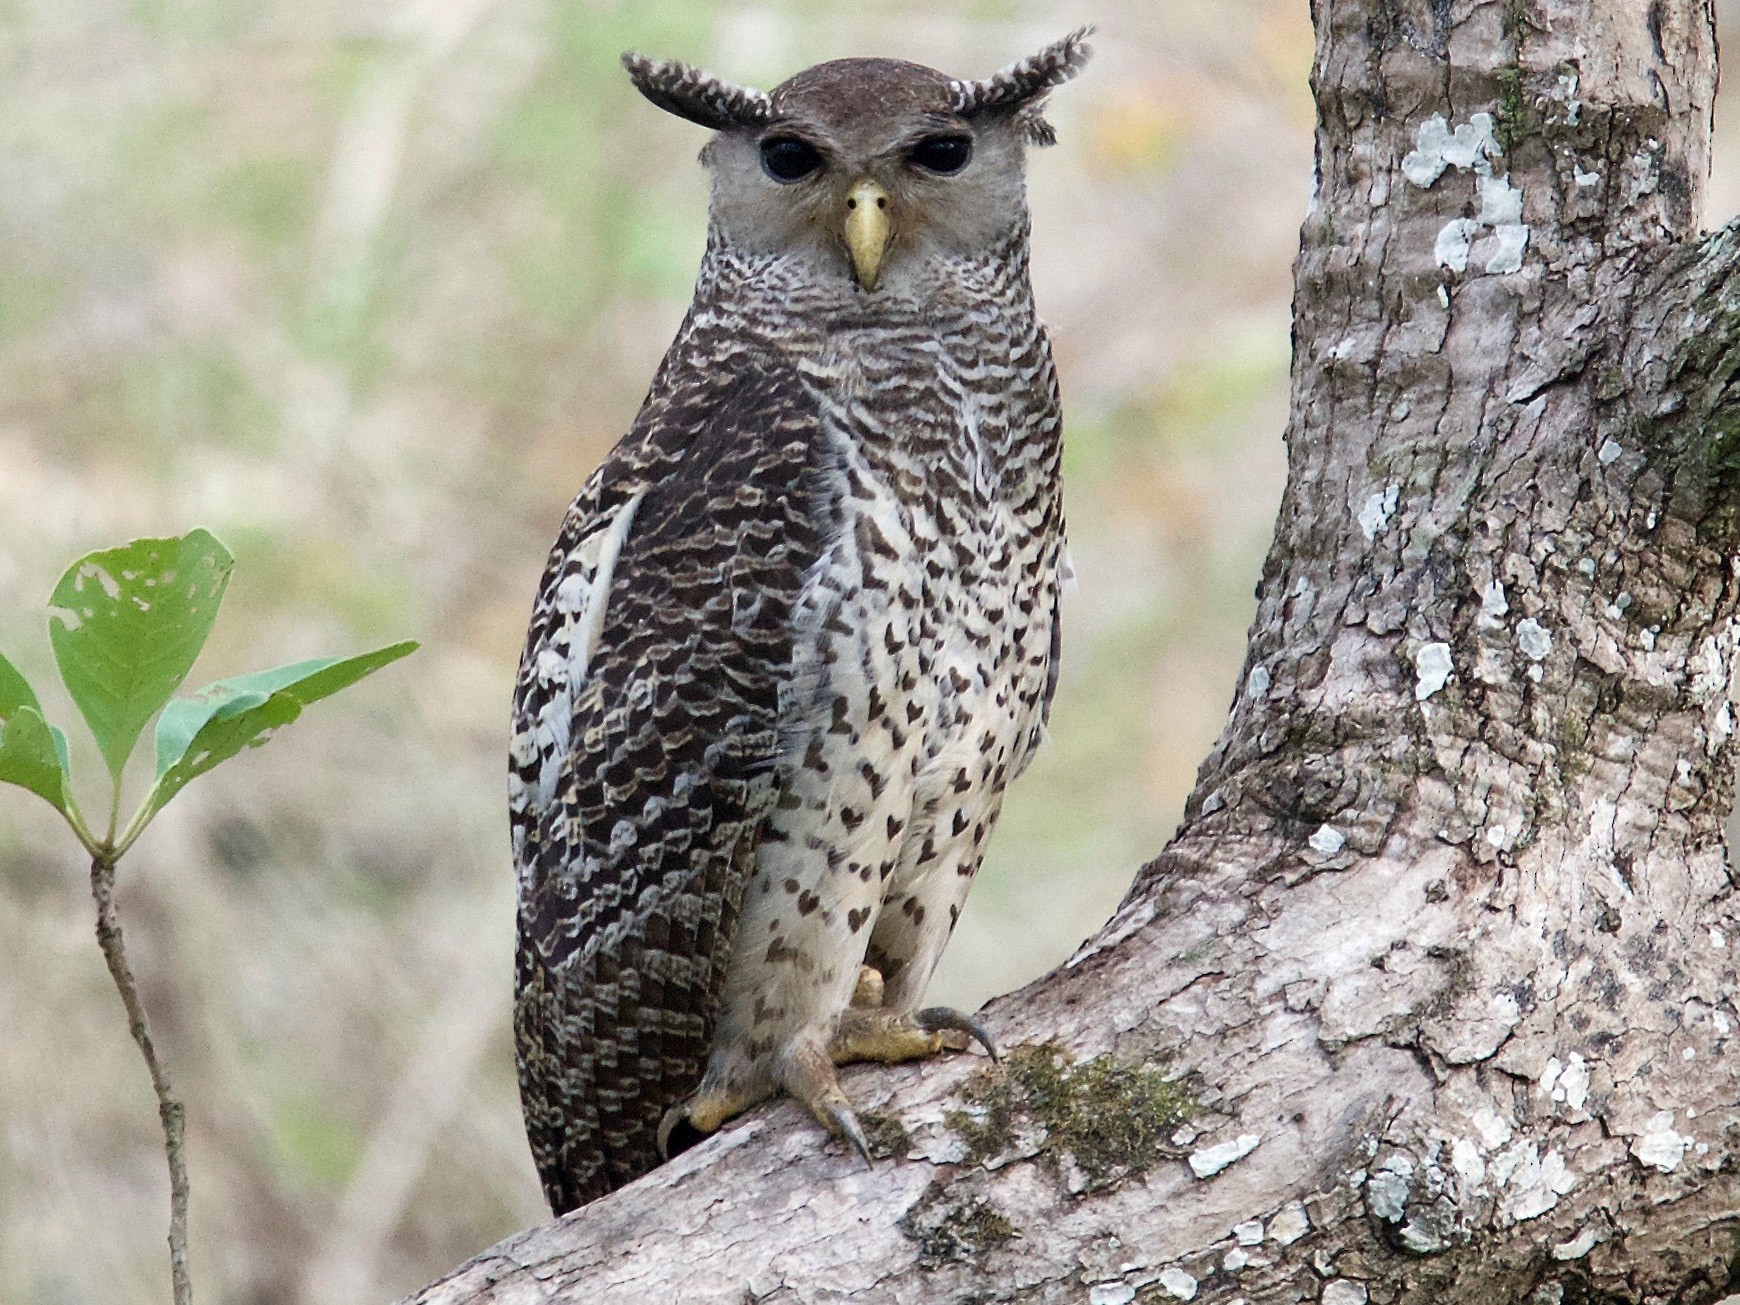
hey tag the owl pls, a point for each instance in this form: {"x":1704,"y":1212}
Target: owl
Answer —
{"x":799,"y":631}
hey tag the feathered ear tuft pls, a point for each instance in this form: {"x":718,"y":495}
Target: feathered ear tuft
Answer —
{"x":1021,"y":88}
{"x":697,"y":95}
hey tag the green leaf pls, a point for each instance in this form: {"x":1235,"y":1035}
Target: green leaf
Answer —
{"x":20,"y":753}
{"x":127,"y":624}
{"x":33,"y":756}
{"x":15,"y":692}
{"x":197,"y":733}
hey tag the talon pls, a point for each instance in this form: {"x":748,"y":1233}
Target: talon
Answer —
{"x":809,"y":1076}
{"x":846,"y":1122}
{"x":672,"y":1118}
{"x":702,"y":1115}
{"x":940,"y":1019}
{"x":678,"y":1132}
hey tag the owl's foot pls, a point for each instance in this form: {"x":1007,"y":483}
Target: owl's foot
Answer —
{"x":702,"y":1114}
{"x":806,"y":1073}
{"x":809,"y":1076}
{"x":958,"y":1031}
{"x":866,"y":1024}
{"x":891,"y":1037}
{"x":867,"y":1031}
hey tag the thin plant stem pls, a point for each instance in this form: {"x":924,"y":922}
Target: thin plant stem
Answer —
{"x":169,"y":1110}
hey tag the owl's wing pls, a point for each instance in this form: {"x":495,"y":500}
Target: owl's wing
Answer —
{"x":647,"y":727}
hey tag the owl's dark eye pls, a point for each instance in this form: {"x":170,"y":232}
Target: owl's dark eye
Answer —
{"x":945,"y":155}
{"x":787,"y":159}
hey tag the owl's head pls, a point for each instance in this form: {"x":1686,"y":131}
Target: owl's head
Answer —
{"x":870,"y":170}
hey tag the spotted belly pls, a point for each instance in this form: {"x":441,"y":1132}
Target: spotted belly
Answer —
{"x":922,"y":705}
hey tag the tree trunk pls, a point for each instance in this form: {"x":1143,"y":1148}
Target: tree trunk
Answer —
{"x":1432,"y":995}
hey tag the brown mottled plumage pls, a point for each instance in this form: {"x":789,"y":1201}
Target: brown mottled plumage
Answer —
{"x":799,"y":630}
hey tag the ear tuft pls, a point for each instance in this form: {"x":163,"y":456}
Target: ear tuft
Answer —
{"x":697,"y":95}
{"x":1020,"y":89}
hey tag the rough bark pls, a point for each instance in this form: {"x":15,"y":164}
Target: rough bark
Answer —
{"x":1432,"y":995}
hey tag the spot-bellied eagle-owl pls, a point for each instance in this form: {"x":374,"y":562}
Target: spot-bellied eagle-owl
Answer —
{"x":800,"y":629}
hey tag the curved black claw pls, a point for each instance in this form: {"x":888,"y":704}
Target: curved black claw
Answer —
{"x":677,"y":1133}
{"x":847,"y":1122}
{"x":674,"y":1116}
{"x":940,"y":1019}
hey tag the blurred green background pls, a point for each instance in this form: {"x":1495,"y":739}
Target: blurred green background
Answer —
{"x":368,"y":290}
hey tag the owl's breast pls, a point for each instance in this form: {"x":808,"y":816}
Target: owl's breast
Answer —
{"x":922,"y":646}
{"x":938,"y":594}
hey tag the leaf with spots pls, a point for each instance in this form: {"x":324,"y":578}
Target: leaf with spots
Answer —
{"x":126,"y":625}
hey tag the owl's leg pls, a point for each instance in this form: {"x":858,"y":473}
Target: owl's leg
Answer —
{"x":924,"y":898}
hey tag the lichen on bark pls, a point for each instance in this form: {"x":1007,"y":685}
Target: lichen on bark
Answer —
{"x":1099,"y":1119}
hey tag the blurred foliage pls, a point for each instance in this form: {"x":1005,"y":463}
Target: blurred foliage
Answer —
{"x":370,"y":289}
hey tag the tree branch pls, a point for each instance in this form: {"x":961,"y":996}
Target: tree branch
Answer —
{"x":1680,"y":363}
{"x":1306,"y":1070}
{"x":169,"y":1109}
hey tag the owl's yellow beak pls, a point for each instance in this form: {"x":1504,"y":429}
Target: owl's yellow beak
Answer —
{"x":867,"y":230}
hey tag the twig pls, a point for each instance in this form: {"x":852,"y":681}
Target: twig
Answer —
{"x":169,"y":1109}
